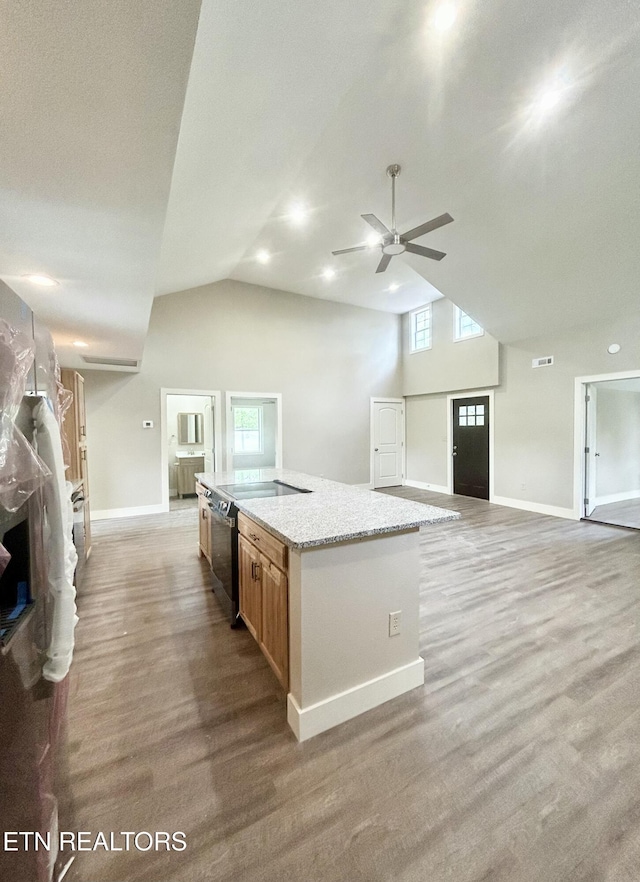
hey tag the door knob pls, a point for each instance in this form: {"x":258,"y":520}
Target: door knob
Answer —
{"x":597,"y":454}
{"x":376,"y":450}
{"x":454,"y":454}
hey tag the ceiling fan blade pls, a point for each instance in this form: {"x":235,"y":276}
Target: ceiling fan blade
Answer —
{"x":377,"y":225}
{"x":416,"y":232}
{"x":384,"y":263}
{"x":425,"y":252}
{"x":348,"y":250}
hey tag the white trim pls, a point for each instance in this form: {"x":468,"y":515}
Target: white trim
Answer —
{"x":164,"y":441}
{"x":421,"y":485}
{"x":132,"y":511}
{"x":309,"y":721}
{"x":474,"y":393}
{"x":277,"y":396}
{"x":555,"y":511}
{"x":579,"y":440}
{"x":616,"y":497}
{"x":372,"y":402}
{"x":368,"y":486}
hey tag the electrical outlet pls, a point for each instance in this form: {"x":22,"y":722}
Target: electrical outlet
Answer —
{"x":395,"y":622}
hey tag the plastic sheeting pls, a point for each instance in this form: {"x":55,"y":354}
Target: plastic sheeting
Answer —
{"x":59,"y":548}
{"x":21,"y":469}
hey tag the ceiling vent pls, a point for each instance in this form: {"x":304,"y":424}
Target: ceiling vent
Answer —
{"x":542,"y":362}
{"x":111,"y":362}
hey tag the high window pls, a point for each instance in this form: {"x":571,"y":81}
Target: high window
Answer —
{"x":247,"y":430}
{"x":421,"y":328}
{"x":464,"y":326}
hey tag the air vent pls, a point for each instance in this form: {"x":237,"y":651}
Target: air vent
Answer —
{"x":542,"y":362}
{"x":111,"y":362}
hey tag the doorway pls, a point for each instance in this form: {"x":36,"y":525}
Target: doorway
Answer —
{"x":612,"y":452}
{"x":253,"y":430}
{"x":470,"y":435}
{"x":190,"y":439}
{"x":387,"y":442}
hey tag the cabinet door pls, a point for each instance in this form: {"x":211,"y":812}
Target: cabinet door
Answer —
{"x":274,"y":641}
{"x":204,"y":531}
{"x":250,"y":587}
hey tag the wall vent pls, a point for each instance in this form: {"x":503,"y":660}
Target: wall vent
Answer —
{"x":545,"y":361}
{"x":111,"y":362}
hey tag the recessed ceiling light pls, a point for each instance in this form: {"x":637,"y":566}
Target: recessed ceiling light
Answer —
{"x":393,"y":287}
{"x":614,"y":348}
{"x":41,"y":279}
{"x":328,"y":273}
{"x":298,"y":214}
{"x":374,"y":239}
{"x":80,"y":344}
{"x":263,"y":256}
{"x":445,"y":16}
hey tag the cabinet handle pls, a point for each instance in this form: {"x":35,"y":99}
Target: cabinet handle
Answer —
{"x":254,"y":537}
{"x":255,"y":571}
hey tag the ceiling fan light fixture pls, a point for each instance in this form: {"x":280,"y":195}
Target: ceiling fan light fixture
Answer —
{"x":391,"y":241}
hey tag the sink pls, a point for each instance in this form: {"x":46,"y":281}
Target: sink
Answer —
{"x":183,"y":454}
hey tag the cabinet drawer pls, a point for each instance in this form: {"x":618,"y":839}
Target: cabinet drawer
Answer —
{"x":201,"y":490}
{"x":271,"y":547}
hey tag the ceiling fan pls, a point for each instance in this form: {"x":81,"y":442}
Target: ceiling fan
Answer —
{"x":392,"y":242}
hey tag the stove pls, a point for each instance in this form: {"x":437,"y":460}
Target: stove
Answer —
{"x":224,"y":536}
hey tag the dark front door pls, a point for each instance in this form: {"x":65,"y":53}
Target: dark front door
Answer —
{"x":471,"y":446}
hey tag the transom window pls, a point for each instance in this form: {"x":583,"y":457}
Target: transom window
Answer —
{"x":471,"y":415}
{"x":247,"y":429}
{"x":464,"y":326}
{"x":421,"y":328}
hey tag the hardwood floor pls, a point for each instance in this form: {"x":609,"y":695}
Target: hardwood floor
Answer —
{"x":518,"y":760}
{"x":622,"y":514}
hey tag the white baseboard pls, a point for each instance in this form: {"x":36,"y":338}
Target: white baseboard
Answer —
{"x":132,"y":512}
{"x":367,"y":486}
{"x":555,"y":511}
{"x":420,"y":485}
{"x":344,"y":706}
{"x":616,"y":497}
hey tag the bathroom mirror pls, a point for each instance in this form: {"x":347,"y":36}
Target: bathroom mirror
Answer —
{"x":189,"y":428}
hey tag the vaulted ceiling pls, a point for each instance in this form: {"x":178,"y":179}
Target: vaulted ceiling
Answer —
{"x":122,"y":181}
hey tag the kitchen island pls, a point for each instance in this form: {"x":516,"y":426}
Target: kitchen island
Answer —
{"x":351,"y":595}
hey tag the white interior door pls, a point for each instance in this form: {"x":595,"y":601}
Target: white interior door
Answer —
{"x":209,"y":437}
{"x":388,"y":443}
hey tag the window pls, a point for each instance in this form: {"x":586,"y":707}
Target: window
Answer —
{"x":464,"y":326}
{"x":247,"y":430}
{"x":421,"y":328}
{"x":471,"y":415}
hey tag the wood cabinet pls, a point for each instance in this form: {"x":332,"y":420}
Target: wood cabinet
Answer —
{"x":74,"y":430}
{"x":186,"y":469}
{"x":264,"y":593}
{"x":204,"y":523}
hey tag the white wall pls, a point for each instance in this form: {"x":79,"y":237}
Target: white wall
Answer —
{"x":326,"y":359}
{"x":449,"y":365}
{"x":534,"y":413}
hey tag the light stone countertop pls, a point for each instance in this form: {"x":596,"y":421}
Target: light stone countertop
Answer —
{"x":332,"y":512}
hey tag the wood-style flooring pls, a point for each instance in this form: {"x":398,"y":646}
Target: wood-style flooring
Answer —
{"x":622,"y":514}
{"x":518,"y":760}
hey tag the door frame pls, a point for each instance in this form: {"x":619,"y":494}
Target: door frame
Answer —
{"x":228,"y":427}
{"x":473,"y":393}
{"x":373,"y":401}
{"x":164,"y":445}
{"x":579,"y":433}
